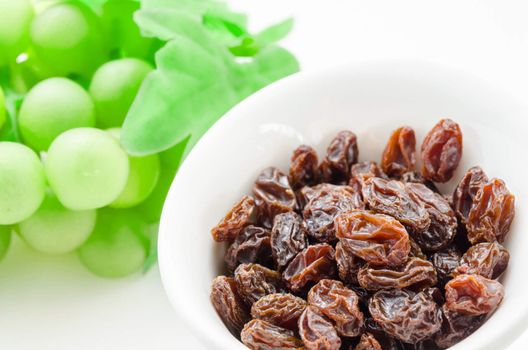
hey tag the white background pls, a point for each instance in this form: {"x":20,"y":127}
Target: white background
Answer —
{"x":53,"y":303}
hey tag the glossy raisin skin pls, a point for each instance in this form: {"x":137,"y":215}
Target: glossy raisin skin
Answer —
{"x":341,"y":154}
{"x":368,"y":342}
{"x":391,"y":197}
{"x":415,"y":177}
{"x":339,"y":304}
{"x":467,"y":190}
{"x":228,"y":304}
{"x":491,"y":214}
{"x":348,"y":264}
{"x":456,"y":327}
{"x":399,"y":155}
{"x":441,"y":151}
{"x":282,"y":310}
{"x":311,"y":265}
{"x":376,"y":238}
{"x":473,"y":295}
{"x":416,"y":273}
{"x":288,"y":238}
{"x":237,"y":218}
{"x":317,"y":332}
{"x":261,"y":335}
{"x":251,"y":245}
{"x":488,"y":260}
{"x":273,"y":195}
{"x":304,"y":167}
{"x":407,"y":316}
{"x":367,"y":169}
{"x":445,"y":262}
{"x":255,"y":281}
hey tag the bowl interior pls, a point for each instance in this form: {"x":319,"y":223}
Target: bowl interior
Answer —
{"x":371,"y":100}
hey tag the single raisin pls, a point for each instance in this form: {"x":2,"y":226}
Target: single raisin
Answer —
{"x":288,"y":238}
{"x":467,"y":190}
{"x":311,"y":265}
{"x":445,"y":262}
{"x":317,"y":332}
{"x":489,"y":260}
{"x":348,"y":264}
{"x":251,"y":245}
{"x":255,"y":281}
{"x":228,"y":304}
{"x":441,"y":151}
{"x":368,"y":342}
{"x":237,"y":218}
{"x":304,"y":169}
{"x":456,"y":327}
{"x":399,"y":155}
{"x":340,"y":155}
{"x":473,"y":295}
{"x":282,"y":310}
{"x":262,"y":335}
{"x":367,"y":169}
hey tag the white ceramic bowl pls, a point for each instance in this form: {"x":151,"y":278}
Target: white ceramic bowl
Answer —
{"x":372,"y":100}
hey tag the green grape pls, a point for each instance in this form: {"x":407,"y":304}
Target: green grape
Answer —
{"x":14,"y":27}
{"x":67,"y":38}
{"x":151,"y":207}
{"x":5,"y":240}
{"x":86,"y":168}
{"x":22,"y":182}
{"x":54,"y":229}
{"x":52,"y":107}
{"x":142,"y":178}
{"x":114,"y":87}
{"x":2,"y":109}
{"x":117,"y":246}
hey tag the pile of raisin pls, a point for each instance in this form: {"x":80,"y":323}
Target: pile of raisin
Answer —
{"x":341,"y":254}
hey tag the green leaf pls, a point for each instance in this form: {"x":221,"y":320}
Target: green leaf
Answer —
{"x":274,"y":33}
{"x":249,"y":47}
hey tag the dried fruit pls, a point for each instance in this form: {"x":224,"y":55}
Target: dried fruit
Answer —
{"x":416,"y":273}
{"x":313,"y":264}
{"x":368,"y":342}
{"x":491,"y":214}
{"x":367,"y":169}
{"x":340,"y":155}
{"x":304,"y":169}
{"x":237,"y":218}
{"x":282,"y":310}
{"x":261,"y":335}
{"x":228,"y":304}
{"x":376,"y":238}
{"x":415,"y":177}
{"x":416,"y":251}
{"x":317,"y":332}
{"x":347,"y":263}
{"x":288,"y":238}
{"x":387,"y":342}
{"x":255,"y":281}
{"x":273,"y":195}
{"x":489,"y":260}
{"x":441,"y":151}
{"x":445,"y":262}
{"x":456,"y":327}
{"x":339,"y":304}
{"x":467,"y":190}
{"x":473,"y":295}
{"x":399,"y":155}
{"x":251,"y":245}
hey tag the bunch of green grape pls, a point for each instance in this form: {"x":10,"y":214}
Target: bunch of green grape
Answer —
{"x":66,"y":184}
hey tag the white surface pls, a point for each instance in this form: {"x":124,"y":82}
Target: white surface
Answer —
{"x":52,"y":303}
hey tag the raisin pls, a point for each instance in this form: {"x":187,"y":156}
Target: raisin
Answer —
{"x":456,"y":327}
{"x":367,"y":169}
{"x":489,"y":260}
{"x":491,"y":214}
{"x":376,"y":238}
{"x":399,"y":155}
{"x":261,"y":335}
{"x":304,"y":169}
{"x":387,"y":342}
{"x":251,"y":245}
{"x":415,"y":177}
{"x":317,"y":332}
{"x":228,"y":304}
{"x":435,"y":294}
{"x":288,"y":238}
{"x":324,"y":206}
{"x":445,"y":262}
{"x":405,"y":315}
{"x":473,"y":295}
{"x":339,"y":304}
{"x":311,"y":265}
{"x":237,"y":218}
{"x":282,"y":310}
{"x":347,"y":263}
{"x":443,"y":227}
{"x":417,"y":273}
{"x":467,"y":190}
{"x":368,"y":342}
{"x":255,"y":281}
{"x":340,"y":155}
{"x":427,"y":344}
{"x":416,"y":251}
{"x":441,"y":151}
{"x":391,"y":197}
{"x":273,"y":195}
{"x":363,"y":295}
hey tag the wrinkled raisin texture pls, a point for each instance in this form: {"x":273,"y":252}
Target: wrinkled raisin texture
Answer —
{"x":317,"y":332}
{"x":489,"y":260}
{"x":391,"y":197}
{"x":467,"y":190}
{"x":311,"y":265}
{"x":340,"y":155}
{"x":399,"y":155}
{"x":255,"y":281}
{"x":441,"y":151}
{"x":443,"y":227}
{"x":445,"y":262}
{"x":304,"y":167}
{"x":261,"y":335}
{"x":273,"y":195}
{"x":415,"y":177}
{"x":473,"y":295}
{"x":405,"y":315}
{"x":282,"y":310}
{"x":348,"y":264}
{"x":251,"y":245}
{"x":288,"y":238}
{"x":324,"y":206}
{"x":367,"y":169}
{"x":416,"y":250}
{"x":456,"y":327}
{"x":237,"y":218}
{"x":339,"y":304}
{"x":228,"y":304}
{"x":376,"y":238}
{"x":387,"y":342}
{"x":368,"y":342}
{"x":491,"y":214}
{"x":427,"y":344}
{"x":416,"y":273}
